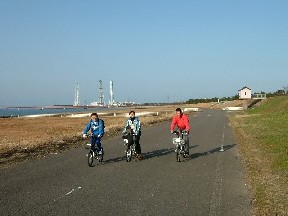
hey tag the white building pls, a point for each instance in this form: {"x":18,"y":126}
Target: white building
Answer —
{"x":245,"y":93}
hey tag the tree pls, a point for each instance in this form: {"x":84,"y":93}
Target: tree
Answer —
{"x":285,"y":89}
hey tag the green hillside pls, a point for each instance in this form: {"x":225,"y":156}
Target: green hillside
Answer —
{"x":275,"y":105}
{"x":262,"y":136}
{"x":273,"y":119}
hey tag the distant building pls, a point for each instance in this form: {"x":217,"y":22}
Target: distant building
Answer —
{"x":245,"y":93}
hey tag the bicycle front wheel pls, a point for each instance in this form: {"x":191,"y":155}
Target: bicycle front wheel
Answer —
{"x":178,"y":154}
{"x":128,"y":155}
{"x":100,"y":157}
{"x":90,"y":158}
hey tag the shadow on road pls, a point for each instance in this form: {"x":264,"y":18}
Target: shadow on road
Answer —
{"x":216,"y":150}
{"x":115,"y":160}
{"x":158,"y":153}
{"x":167,"y":151}
{"x":190,"y":147}
{"x":146,"y":155}
{"x":162,"y":152}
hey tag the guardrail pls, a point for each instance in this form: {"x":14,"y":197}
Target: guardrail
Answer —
{"x":233,"y":108}
{"x":193,"y":109}
{"x":259,"y":96}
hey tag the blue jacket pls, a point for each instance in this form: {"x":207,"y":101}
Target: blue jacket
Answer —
{"x":135,"y":125}
{"x":97,"y":127}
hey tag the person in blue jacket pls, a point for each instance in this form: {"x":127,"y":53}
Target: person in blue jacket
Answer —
{"x":96,"y":126}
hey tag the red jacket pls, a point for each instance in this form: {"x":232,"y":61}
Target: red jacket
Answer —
{"x":181,"y":121}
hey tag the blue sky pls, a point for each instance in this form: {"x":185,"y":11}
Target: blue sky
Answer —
{"x":153,"y":50}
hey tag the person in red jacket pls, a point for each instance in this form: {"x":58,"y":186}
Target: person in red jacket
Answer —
{"x":182,"y":122}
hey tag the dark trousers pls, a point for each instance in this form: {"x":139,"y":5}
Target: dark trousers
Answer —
{"x":186,"y":139}
{"x":136,"y":140}
{"x":95,"y":143}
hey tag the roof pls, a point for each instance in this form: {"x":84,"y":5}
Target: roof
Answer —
{"x":245,"y":87}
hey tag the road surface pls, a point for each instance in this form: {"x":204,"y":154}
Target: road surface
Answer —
{"x":209,"y":183}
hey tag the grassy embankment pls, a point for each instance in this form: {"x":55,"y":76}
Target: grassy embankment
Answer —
{"x":262,"y":135}
{"x":22,"y":138}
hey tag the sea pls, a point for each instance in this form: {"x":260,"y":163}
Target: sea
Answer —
{"x":17,"y":112}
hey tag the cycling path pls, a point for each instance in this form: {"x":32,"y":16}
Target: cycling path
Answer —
{"x":209,"y":183}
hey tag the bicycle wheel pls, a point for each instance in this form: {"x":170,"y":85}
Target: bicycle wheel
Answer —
{"x":178,"y":154}
{"x":185,"y":151}
{"x":187,"y":148}
{"x":128,"y":155}
{"x":90,"y":158}
{"x":100,"y":157}
{"x":186,"y":154}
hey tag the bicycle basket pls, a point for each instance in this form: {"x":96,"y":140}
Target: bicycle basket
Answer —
{"x":176,"y":140}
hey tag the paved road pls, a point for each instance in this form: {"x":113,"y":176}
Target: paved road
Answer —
{"x":209,"y":183}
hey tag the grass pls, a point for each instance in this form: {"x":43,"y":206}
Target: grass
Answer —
{"x":262,"y":135}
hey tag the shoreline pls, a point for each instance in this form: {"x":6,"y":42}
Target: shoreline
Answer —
{"x":64,"y":110}
{"x":32,"y":111}
{"x":52,"y":107}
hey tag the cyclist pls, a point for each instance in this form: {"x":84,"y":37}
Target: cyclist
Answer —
{"x":133,"y":125}
{"x":96,"y":126}
{"x":182,"y":122}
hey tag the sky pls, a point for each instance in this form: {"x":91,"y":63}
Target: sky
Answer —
{"x":153,"y":50}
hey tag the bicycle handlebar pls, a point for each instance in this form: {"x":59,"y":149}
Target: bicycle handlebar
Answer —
{"x":184,"y":132}
{"x":90,"y":135}
{"x":130,"y":133}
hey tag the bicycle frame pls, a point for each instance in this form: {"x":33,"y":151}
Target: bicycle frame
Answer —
{"x":93,"y":154}
{"x":180,"y":145}
{"x":130,"y":150}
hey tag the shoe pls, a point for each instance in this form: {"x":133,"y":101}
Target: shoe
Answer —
{"x":139,"y":156}
{"x":100,"y":152}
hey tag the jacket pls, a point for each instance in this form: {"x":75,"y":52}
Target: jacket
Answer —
{"x":97,"y":127}
{"x":182,"y":122}
{"x":134,"y":125}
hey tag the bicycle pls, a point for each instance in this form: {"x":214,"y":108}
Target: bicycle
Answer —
{"x":181,"y":143}
{"x":94,"y":154}
{"x":130,"y":149}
